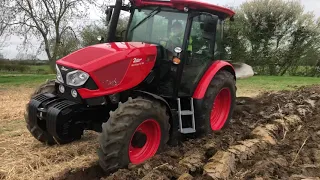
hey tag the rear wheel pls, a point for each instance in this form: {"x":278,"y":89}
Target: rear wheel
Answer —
{"x":135,"y":132}
{"x":36,"y":128}
{"x":218,"y":103}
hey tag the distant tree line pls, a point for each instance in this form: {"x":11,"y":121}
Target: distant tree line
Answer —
{"x":276,"y":37}
{"x":25,"y":66}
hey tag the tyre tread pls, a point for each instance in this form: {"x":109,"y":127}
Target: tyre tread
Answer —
{"x":115,"y":131}
{"x":222,"y":77}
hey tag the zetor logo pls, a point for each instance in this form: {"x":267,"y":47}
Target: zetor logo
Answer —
{"x":137,"y":62}
{"x":64,"y":69}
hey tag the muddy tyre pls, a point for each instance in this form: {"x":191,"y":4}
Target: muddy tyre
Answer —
{"x":135,"y":132}
{"x":40,"y":133}
{"x":218,"y":103}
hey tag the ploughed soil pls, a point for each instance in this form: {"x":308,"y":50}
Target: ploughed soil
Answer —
{"x":297,"y":153}
{"x":294,"y":153}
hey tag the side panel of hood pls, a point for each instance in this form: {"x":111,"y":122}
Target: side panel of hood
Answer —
{"x":114,"y":67}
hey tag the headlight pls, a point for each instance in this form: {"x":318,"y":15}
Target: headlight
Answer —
{"x":59,"y":75}
{"x":77,"y":78}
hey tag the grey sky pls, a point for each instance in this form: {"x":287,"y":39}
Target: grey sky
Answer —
{"x":12,"y":44}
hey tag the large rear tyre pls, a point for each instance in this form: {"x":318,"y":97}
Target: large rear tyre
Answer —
{"x":135,"y":132}
{"x":218,"y":103}
{"x":37,"y":130}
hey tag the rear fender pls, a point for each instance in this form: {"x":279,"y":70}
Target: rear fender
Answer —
{"x":209,"y":74}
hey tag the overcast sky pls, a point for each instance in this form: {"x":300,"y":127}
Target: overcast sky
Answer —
{"x":13,"y":42}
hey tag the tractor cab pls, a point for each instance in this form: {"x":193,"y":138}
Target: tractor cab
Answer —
{"x":188,"y":35}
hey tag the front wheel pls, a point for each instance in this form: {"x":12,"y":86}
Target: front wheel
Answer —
{"x":135,"y":132}
{"x":38,"y":128}
{"x":218,"y":103}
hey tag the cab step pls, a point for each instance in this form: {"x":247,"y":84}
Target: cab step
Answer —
{"x":181,"y":113}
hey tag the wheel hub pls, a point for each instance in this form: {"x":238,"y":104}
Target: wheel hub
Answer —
{"x":139,"y":140}
{"x":145,"y":141}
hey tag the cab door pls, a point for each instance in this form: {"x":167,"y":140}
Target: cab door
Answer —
{"x":200,"y":50}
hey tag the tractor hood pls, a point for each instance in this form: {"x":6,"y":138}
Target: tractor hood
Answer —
{"x":87,"y":58}
{"x":114,"y":67}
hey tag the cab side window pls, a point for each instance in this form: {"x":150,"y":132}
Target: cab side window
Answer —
{"x":201,"y":41}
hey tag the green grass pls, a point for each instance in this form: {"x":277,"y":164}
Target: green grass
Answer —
{"x":41,"y":68}
{"x":276,"y":83}
{"x":30,"y":69}
{"x":256,"y":83}
{"x":23,"y":79}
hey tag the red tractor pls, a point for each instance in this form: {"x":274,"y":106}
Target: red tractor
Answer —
{"x":164,"y":81}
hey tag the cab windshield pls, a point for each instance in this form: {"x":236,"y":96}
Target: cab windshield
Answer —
{"x":157,"y":25}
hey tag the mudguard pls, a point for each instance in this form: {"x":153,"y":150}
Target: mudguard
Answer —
{"x":209,"y":74}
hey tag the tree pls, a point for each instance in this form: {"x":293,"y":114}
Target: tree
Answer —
{"x":68,"y":44}
{"x":275,"y":35}
{"x":48,"y":20}
{"x":90,"y":33}
{"x":6,"y":15}
{"x":26,"y":56}
{"x":233,"y":44}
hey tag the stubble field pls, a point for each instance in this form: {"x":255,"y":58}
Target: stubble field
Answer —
{"x":274,"y":134}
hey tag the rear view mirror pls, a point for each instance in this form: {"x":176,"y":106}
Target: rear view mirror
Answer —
{"x":108,"y":15}
{"x":100,"y":39}
{"x":209,"y":24}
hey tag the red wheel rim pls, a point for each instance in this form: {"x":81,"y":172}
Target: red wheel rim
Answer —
{"x":220,"y":109}
{"x":151,"y":129}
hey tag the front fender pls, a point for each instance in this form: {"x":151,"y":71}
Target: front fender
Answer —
{"x":155,"y":97}
{"x":209,"y":74}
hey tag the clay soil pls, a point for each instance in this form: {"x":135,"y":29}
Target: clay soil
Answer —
{"x":290,"y":152}
{"x":295,"y":153}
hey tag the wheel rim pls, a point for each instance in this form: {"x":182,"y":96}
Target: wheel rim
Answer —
{"x":150,"y":129}
{"x":220,"y":109}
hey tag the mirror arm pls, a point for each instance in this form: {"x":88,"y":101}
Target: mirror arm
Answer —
{"x":114,"y":21}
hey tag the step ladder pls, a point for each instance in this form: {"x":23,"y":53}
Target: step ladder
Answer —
{"x":186,"y":113}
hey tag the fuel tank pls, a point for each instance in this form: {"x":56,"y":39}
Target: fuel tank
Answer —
{"x":114,"y":67}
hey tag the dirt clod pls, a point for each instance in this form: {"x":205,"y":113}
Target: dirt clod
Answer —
{"x":185,"y":176}
{"x":316,"y":155}
{"x":155,"y":175}
{"x":264,"y":134}
{"x":193,"y":160}
{"x":220,"y":165}
{"x":2,"y":175}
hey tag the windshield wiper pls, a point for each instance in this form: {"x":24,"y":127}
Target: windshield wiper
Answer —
{"x":151,"y":14}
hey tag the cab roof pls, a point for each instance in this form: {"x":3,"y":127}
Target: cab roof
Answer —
{"x":222,"y":12}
